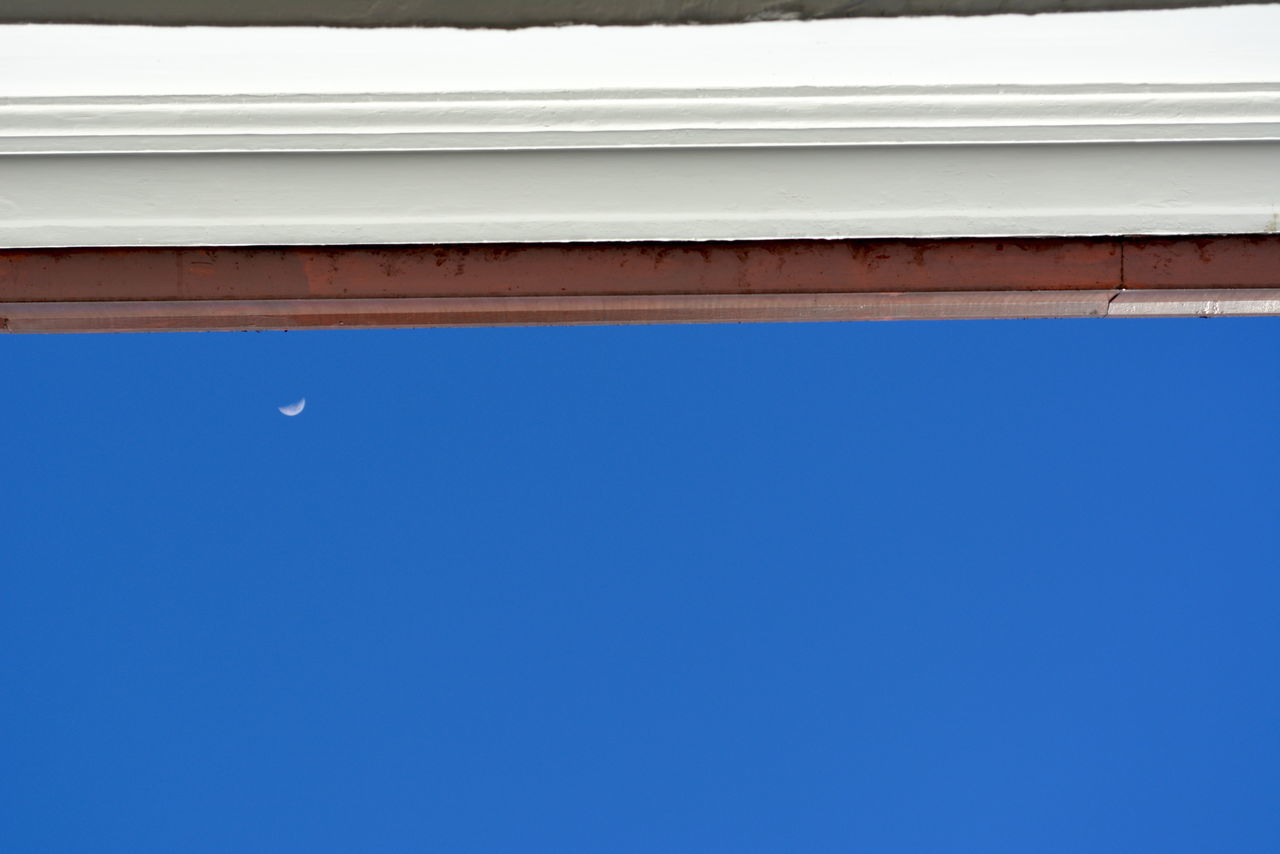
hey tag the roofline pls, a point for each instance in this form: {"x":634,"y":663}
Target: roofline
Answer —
{"x":824,"y":130}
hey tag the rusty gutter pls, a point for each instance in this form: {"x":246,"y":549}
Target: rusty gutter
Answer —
{"x":200,"y":288}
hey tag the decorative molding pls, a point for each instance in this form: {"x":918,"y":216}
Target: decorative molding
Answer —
{"x":907,"y":115}
{"x":841,"y":129}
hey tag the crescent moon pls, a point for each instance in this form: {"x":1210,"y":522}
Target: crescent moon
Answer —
{"x":293,"y":408}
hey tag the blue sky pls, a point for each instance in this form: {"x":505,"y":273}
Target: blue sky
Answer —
{"x":909,"y":587}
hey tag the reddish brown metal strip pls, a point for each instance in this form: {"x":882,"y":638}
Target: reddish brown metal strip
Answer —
{"x":787,"y":266}
{"x":179,"y":315}
{"x":1202,"y":262}
{"x":176,"y":315}
{"x":328,"y":287}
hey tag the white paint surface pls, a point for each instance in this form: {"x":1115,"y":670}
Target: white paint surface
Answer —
{"x":809,"y":116}
{"x":638,"y":194}
{"x":1102,"y":123}
{"x":1216,"y":45}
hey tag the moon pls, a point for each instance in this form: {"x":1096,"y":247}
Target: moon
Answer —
{"x":293,"y":408}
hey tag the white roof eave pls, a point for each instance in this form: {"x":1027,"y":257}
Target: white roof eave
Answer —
{"x":1104,"y":123}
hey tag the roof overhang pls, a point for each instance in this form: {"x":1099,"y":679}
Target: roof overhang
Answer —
{"x":1052,"y":126}
{"x":1014,"y":127}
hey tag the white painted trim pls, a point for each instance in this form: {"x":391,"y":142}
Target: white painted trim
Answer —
{"x":942,"y":114}
{"x":477,"y":142}
{"x":1193,"y":46}
{"x":639,"y":194}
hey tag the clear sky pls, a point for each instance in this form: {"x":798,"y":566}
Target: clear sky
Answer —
{"x":914,"y":587}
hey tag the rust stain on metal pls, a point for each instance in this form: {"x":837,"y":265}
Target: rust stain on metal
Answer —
{"x":1202,"y":262}
{"x":823,"y":275}
{"x":815,"y":266}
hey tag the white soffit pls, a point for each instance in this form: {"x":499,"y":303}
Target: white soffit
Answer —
{"x":1101,"y":123}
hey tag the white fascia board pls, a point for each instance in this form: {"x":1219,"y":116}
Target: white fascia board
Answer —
{"x":943,"y":115}
{"x":1106,"y":123}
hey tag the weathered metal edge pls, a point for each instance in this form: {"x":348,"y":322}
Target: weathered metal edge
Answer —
{"x":228,"y":315}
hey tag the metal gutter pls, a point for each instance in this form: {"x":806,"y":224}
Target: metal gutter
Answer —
{"x":117,"y":290}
